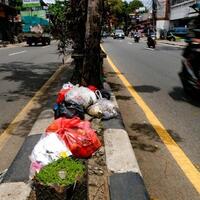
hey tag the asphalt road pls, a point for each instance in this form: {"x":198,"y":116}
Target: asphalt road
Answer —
{"x":23,"y":71}
{"x":154,"y":75}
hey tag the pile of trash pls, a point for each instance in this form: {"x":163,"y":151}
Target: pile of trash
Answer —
{"x":69,"y":135}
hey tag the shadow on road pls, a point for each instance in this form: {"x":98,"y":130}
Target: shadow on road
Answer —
{"x":148,"y":130}
{"x":115,"y":86}
{"x":27,"y":87}
{"x":125,"y":98}
{"x":145,"y":134}
{"x":146,"y":88}
{"x":178,"y":94}
{"x":28,"y":77}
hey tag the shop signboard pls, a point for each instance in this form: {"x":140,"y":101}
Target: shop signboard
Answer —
{"x":31,"y":3}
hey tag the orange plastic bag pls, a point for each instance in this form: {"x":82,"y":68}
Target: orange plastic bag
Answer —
{"x":78,"y":135}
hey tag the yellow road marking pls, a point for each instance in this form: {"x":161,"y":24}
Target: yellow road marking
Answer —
{"x":182,"y":160}
{"x":33,"y":103}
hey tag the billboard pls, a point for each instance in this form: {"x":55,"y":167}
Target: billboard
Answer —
{"x":162,"y":11}
{"x":31,"y":3}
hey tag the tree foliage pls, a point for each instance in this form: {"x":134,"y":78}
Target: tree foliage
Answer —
{"x":133,"y":5}
{"x":17,"y":4}
{"x":119,"y":11}
{"x":60,"y":19}
{"x":115,"y":6}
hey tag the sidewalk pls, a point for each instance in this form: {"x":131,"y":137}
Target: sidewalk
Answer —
{"x":123,"y":177}
{"x":174,"y":43}
{"x":12,"y":45}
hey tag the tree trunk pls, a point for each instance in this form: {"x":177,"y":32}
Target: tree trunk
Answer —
{"x":92,"y":62}
{"x":79,"y":10}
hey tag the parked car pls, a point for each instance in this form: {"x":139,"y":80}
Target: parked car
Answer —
{"x":119,"y":34}
{"x":104,"y":34}
{"x":180,"y":31}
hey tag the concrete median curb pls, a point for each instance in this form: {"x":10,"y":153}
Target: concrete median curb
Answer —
{"x":15,"y":184}
{"x":125,"y":178}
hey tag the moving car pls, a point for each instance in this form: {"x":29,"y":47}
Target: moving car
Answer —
{"x":119,"y":34}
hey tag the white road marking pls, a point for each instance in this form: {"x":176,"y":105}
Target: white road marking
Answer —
{"x":130,"y":43}
{"x":12,"y":54}
{"x":149,"y":49}
{"x":45,"y":47}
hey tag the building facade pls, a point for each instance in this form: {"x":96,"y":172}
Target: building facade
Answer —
{"x":181,"y":13}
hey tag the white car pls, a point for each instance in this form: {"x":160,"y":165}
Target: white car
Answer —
{"x":119,"y":34}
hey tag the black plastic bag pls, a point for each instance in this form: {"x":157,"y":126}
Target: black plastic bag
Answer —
{"x":68,"y":109}
{"x":105,"y":94}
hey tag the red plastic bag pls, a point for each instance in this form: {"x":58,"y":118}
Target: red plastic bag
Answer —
{"x":78,"y":135}
{"x":92,"y":88}
{"x":61,"y":95}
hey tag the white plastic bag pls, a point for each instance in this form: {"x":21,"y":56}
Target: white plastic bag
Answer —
{"x":82,"y":96}
{"x":103,"y":108}
{"x":48,"y":149}
{"x":67,"y":86}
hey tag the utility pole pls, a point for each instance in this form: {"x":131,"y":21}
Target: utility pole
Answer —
{"x":154,"y":11}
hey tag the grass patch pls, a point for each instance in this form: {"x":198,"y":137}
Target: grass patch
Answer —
{"x":63,"y":172}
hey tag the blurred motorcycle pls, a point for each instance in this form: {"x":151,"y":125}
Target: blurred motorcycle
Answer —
{"x":190,"y":73}
{"x":136,"y":37}
{"x":151,"y":40}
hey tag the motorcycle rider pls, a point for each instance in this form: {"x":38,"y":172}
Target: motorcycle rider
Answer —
{"x":136,"y":35}
{"x":151,"y":37}
{"x":194,"y":30}
{"x":190,"y":74}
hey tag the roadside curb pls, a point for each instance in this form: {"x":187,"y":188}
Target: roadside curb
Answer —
{"x":125,"y":179}
{"x":8,"y":46}
{"x":15,"y":184}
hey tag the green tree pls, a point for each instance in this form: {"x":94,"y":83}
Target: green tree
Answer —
{"x":60,"y":20}
{"x":16,"y":4}
{"x":115,"y":6}
{"x":117,"y":12}
{"x":133,"y":5}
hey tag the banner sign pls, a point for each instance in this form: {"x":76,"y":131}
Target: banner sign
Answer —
{"x":36,"y":13}
{"x":162,"y":9}
{"x":49,"y":1}
{"x":31,"y":3}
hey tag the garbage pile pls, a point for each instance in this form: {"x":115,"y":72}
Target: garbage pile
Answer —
{"x":70,"y":135}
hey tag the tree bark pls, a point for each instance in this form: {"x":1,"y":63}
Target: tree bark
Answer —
{"x":92,"y":62}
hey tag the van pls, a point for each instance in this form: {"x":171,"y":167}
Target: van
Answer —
{"x":180,"y":31}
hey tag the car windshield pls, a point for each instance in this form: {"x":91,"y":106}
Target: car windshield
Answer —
{"x":119,"y":31}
